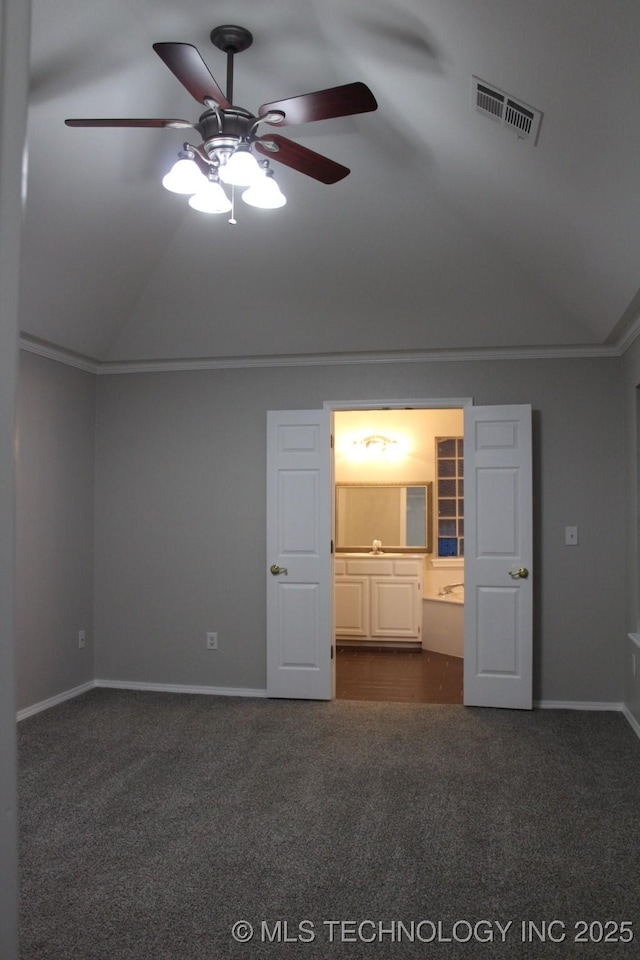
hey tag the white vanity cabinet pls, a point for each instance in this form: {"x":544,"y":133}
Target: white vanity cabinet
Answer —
{"x":378,"y":597}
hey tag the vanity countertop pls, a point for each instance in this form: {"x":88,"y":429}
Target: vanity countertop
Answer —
{"x":382,"y":555}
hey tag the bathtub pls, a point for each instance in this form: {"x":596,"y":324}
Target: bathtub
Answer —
{"x":443,"y":623}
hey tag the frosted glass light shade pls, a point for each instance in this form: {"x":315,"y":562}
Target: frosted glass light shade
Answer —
{"x":184,"y":177}
{"x":241,"y":169}
{"x":211,"y":198}
{"x":265,"y":193}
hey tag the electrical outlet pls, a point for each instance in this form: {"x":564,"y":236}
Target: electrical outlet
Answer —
{"x":212,"y":641}
{"x":82,"y":639}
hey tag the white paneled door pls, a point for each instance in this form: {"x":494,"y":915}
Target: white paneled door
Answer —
{"x":299,"y":563}
{"x":498,"y":557}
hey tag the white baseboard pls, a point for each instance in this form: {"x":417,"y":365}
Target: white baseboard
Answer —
{"x":181,"y":688}
{"x":252,"y":692}
{"x":633,"y":723}
{"x":54,"y":701}
{"x":577,"y":705}
{"x":591,"y":705}
{"x":133,"y":685}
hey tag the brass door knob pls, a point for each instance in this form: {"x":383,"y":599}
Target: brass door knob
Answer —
{"x":276,"y":570}
{"x":521,"y":574}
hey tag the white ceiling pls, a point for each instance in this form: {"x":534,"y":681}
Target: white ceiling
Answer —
{"x":449,"y":232}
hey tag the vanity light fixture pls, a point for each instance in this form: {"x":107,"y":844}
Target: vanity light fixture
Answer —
{"x":376,"y":444}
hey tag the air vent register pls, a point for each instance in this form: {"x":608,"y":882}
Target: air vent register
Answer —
{"x":504,"y":109}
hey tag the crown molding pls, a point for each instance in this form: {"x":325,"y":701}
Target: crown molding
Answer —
{"x":627,"y":336}
{"x":113,"y":367}
{"x":59,"y":354}
{"x":351,"y":359}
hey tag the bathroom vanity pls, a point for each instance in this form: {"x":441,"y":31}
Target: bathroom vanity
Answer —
{"x":378,"y":597}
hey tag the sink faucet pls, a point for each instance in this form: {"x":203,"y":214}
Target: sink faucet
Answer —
{"x":449,"y":588}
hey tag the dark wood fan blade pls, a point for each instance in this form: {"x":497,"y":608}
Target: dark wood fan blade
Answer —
{"x":301,"y":158}
{"x":185,"y":62}
{"x":342,"y":101}
{"x":131,"y":122}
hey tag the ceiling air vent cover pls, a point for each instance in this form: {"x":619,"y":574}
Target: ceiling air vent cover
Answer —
{"x":510,"y":113}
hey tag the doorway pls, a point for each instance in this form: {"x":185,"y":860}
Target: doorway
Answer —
{"x":498,"y":621}
{"x":386,"y":455}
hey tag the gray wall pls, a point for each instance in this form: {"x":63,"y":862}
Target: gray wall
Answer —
{"x":54,"y":528}
{"x":14,"y":82}
{"x":180,"y":512}
{"x":631,"y":380}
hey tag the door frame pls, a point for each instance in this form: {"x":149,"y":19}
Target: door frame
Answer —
{"x":437,"y":403}
{"x":499,"y":637}
{"x":423,"y":403}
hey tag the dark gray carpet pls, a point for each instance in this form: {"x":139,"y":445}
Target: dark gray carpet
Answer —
{"x":151,"y":823}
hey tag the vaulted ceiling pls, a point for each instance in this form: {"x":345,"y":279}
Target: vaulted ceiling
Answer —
{"x":449,"y":233}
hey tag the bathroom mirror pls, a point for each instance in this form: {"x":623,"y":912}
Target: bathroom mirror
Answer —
{"x":397,"y":514}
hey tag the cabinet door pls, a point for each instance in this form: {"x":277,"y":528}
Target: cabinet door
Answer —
{"x":351,"y":604}
{"x":395,"y":607}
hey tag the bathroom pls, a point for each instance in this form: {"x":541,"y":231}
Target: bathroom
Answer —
{"x":400,"y":603}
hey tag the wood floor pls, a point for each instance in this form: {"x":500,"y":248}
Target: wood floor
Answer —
{"x":418,"y":676}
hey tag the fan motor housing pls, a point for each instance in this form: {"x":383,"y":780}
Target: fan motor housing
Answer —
{"x":232,"y":122}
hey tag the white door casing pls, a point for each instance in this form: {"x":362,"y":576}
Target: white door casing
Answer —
{"x":498,"y":557}
{"x":498,"y":544}
{"x":299,"y":529}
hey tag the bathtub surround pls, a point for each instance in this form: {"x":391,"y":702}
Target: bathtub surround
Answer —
{"x":443,"y":624}
{"x":440,"y":572}
{"x":443,"y":607}
{"x":197,"y":812}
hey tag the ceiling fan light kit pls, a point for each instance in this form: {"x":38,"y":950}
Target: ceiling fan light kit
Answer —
{"x":185,"y":176}
{"x":241,"y":168}
{"x":210,"y":198}
{"x":229,"y":133}
{"x":265,"y":192}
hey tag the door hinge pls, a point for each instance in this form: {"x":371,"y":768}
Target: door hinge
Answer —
{"x":332,"y":651}
{"x":332,"y":548}
{"x":332,"y":441}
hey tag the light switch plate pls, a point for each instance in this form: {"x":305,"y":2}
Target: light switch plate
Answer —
{"x":571,"y":536}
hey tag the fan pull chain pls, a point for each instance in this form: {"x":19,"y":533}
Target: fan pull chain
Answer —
{"x":232,"y":218}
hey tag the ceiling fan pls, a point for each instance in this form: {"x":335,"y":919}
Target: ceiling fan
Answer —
{"x":229,"y":133}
